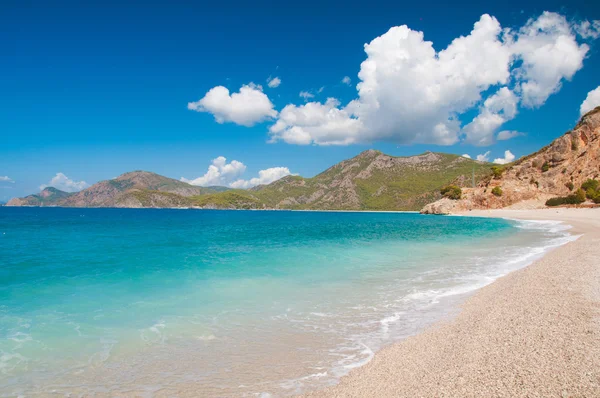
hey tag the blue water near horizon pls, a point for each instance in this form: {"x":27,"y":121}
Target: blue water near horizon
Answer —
{"x":230,"y":302}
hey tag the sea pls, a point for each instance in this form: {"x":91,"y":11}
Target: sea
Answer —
{"x":185,"y":302}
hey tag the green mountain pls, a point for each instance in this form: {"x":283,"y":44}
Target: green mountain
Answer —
{"x":369,"y":181}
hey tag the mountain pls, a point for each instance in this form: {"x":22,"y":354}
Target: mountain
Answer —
{"x":49,"y":196}
{"x":369,"y":181}
{"x":133,"y":189}
{"x":555,"y":170}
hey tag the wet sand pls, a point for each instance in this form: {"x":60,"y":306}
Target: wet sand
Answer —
{"x":532,"y":333}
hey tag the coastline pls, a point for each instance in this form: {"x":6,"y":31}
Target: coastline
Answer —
{"x":533,"y":332}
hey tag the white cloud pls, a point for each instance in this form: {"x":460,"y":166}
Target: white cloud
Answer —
{"x":508,"y":134}
{"x":466,"y":155}
{"x":273,"y":82}
{"x":550,"y":53}
{"x":6,"y":179}
{"x":320,"y":90}
{"x":496,"y":110}
{"x":64,"y":183}
{"x":410,"y":93}
{"x":264,"y":177}
{"x":483,"y":157}
{"x":219,"y":173}
{"x":508,"y":157}
{"x":347,"y":80}
{"x":323,"y":124}
{"x":306,"y":95}
{"x":588,"y":30}
{"x":591,"y":101}
{"x":246,"y":107}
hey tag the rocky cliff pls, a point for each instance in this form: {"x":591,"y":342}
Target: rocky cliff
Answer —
{"x":555,"y":170}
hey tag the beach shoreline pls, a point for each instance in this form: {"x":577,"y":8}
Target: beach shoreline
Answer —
{"x":532,"y":332}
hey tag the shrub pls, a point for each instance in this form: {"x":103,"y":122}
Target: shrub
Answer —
{"x":570,"y":185}
{"x":579,"y":196}
{"x":590,"y":193}
{"x":590,"y":184}
{"x":497,"y":191}
{"x":497,"y":171}
{"x":574,"y":145}
{"x":545,"y":167}
{"x":451,"y":192}
{"x":556,"y":201}
{"x":564,"y":171}
{"x":575,"y":199}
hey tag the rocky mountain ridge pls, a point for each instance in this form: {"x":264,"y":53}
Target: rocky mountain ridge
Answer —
{"x":555,"y":170}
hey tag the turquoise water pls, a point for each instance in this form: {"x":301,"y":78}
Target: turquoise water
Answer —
{"x":108,"y":301}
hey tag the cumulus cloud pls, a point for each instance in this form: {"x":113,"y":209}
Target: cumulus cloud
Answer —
{"x":6,"y":179}
{"x":323,"y":124}
{"x":508,"y":157}
{"x":483,"y":157}
{"x":508,"y":134}
{"x":591,"y":101}
{"x":347,"y":80}
{"x":264,"y":177}
{"x":64,"y":183}
{"x":550,"y":53}
{"x":410,"y":93}
{"x":219,"y":173}
{"x":273,"y":82}
{"x":466,"y":155}
{"x":247,"y":107}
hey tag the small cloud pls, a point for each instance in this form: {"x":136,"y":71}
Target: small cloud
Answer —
{"x":319,"y":91}
{"x":508,"y":134}
{"x":306,"y":95}
{"x":247,"y":107}
{"x":508,"y":157}
{"x":64,"y":183}
{"x":588,"y":30}
{"x":484,"y":157}
{"x":466,"y":155}
{"x":273,"y":82}
{"x":591,"y":101}
{"x":6,"y":179}
{"x":346,"y":80}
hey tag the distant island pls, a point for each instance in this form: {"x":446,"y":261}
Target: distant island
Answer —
{"x":370,"y":181}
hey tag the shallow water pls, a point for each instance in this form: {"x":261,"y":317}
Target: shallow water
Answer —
{"x":230,"y":302}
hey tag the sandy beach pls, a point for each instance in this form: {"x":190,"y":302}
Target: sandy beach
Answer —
{"x":532,"y":333}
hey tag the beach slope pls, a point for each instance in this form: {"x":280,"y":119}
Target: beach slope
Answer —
{"x":534,"y":332}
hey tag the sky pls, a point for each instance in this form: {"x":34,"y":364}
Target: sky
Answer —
{"x":242,"y":93}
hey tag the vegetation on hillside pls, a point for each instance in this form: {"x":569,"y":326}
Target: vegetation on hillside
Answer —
{"x":451,"y":192}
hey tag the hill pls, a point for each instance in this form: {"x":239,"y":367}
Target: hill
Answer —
{"x":555,"y":170}
{"x":369,"y":181}
{"x":49,"y":196}
{"x":133,"y":189}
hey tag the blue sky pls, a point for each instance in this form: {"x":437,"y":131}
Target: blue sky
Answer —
{"x":97,"y":89}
